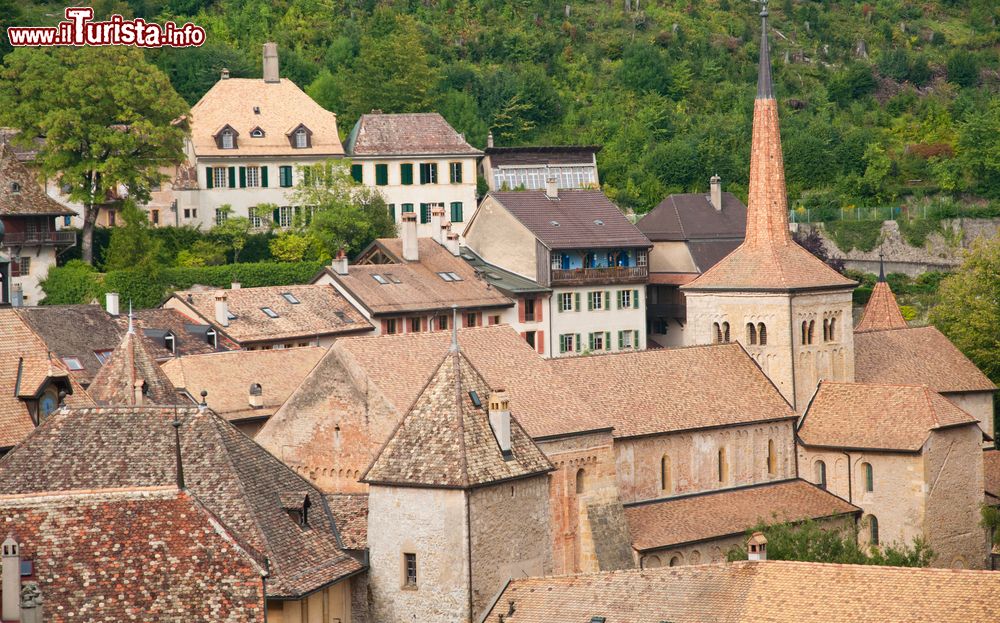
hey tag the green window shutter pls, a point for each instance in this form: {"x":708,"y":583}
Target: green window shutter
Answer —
{"x":407,"y":207}
{"x":425,"y":172}
{"x":456,"y":172}
{"x":243,"y":177}
{"x":562,"y":343}
{"x":356,"y":173}
{"x":406,"y":173}
{"x":576,"y":301}
{"x":590,"y":341}
{"x":209,"y":178}
{"x":232,"y":177}
{"x":618,"y":297}
{"x":621,"y":340}
{"x":590,"y":301}
{"x":276,"y":215}
{"x":635,"y":299}
{"x":392,"y":210}
{"x":576,"y":342}
{"x":559,"y":304}
{"x":607,"y":340}
{"x":263,"y":177}
{"x":425,"y":213}
{"x":635,"y":339}
{"x":381,"y":174}
{"x":284,"y":176}
{"x":307,"y":176}
{"x":456,"y":212}
{"x":607,"y":299}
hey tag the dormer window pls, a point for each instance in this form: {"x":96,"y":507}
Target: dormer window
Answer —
{"x":15,"y":188}
{"x":228,"y":140}
{"x":211,"y":337}
{"x":296,"y":504}
{"x":170,"y":343}
{"x":256,"y":133}
{"x":300,"y":137}
{"x":301,"y":140}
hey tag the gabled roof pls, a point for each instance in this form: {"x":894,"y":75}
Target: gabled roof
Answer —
{"x":233,"y":477}
{"x":535,"y":155}
{"x":446,"y":441}
{"x":578,"y":218}
{"x":691,"y":216}
{"x":674,"y":521}
{"x":320,"y":310}
{"x":406,"y":134}
{"x":189,"y":335}
{"x":227,"y":378}
{"x":28,"y":199}
{"x":420,"y":287}
{"x":755,"y":592}
{"x":282,"y":105}
{"x":105,"y":556}
{"x":920,"y":355}
{"x":75,"y":331}
{"x":877,"y":417}
{"x":350,"y":511}
{"x":882,"y":311}
{"x":131,"y":367}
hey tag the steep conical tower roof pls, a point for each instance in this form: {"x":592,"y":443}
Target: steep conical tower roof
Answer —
{"x":768,"y":259}
{"x":882,"y":311}
{"x":131,"y":376}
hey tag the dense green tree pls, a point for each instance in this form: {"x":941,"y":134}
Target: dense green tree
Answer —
{"x":106,"y":117}
{"x":132,"y":245}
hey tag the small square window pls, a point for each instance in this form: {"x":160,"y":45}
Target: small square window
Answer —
{"x":288,"y":296}
{"x":446,"y":276}
{"x":392,"y":278}
{"x":454,"y":277}
{"x":269,"y":312}
{"x":103,"y":355}
{"x":72,"y":363}
{"x":380,"y":279}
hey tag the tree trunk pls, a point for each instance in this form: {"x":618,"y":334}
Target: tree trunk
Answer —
{"x":87,"y":239}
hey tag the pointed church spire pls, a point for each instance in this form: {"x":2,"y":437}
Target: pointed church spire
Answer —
{"x":131,"y":376}
{"x":881,"y":268}
{"x":765,"y":89}
{"x":882,"y":311}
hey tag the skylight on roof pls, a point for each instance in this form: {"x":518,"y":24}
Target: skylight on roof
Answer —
{"x":598,"y":221}
{"x":555,"y":223}
{"x":379,"y":278}
{"x":474,"y":397}
{"x":102,"y":355}
{"x":72,"y":363}
{"x":393,"y":278}
{"x":269,"y":312}
{"x":340,"y":316}
{"x":231,"y":316}
{"x":288,"y":296}
{"x":445,"y":276}
{"x":454,"y":277}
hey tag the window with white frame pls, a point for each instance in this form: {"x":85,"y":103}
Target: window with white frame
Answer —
{"x":253,"y":177}
{"x":227,"y":139}
{"x":255,"y":220}
{"x":285,"y":216}
{"x":566,"y":301}
{"x":625,"y":339}
{"x":597,"y":341}
{"x":301,"y":140}
{"x":221,"y":214}
{"x":596,"y":300}
{"x":220,"y":177}
{"x":626,"y":298}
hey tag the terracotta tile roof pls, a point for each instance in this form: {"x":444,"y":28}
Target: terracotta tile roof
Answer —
{"x":350,"y":512}
{"x":756,"y":592}
{"x":884,"y":417}
{"x":407,"y":134}
{"x":882,"y":311}
{"x":571,"y":220}
{"x":420,"y":287}
{"x":673,"y":389}
{"x":921,"y":355}
{"x":991,"y":472}
{"x":227,"y":378}
{"x":24,"y":153}
{"x":104,"y":556}
{"x":691,"y":216}
{"x":320,"y":310}
{"x":283,"y":107}
{"x":534,"y":155}
{"x":189,"y":333}
{"x":130,"y":366}
{"x":717,"y":514}
{"x":29,"y":199}
{"x":445,"y":440}
{"x":77,"y":331}
{"x":233,"y":477}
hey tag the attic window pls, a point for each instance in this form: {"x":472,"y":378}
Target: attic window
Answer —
{"x":301,"y":139}
{"x":256,"y":111}
{"x":340,"y":315}
{"x":380,"y":279}
{"x":554,"y":223}
{"x":210,"y":337}
{"x":169,"y":342}
{"x":228,"y":140}
{"x":15,"y":187}
{"x":256,"y":133}
{"x":231,"y":316}
{"x":474,"y":397}
{"x":269,"y":312}
{"x":393,"y":278}
{"x":297,"y":505}
{"x":445,"y":276}
{"x":288,"y":296}
{"x":598,"y":221}
{"x":103,"y":355}
{"x":73,"y":363}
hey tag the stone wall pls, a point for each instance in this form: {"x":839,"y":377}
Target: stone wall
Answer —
{"x":510,"y":535}
{"x":977,"y":404}
{"x":611,"y":537}
{"x":953,"y":470}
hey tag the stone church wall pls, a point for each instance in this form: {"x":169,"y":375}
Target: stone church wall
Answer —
{"x":953,"y":467}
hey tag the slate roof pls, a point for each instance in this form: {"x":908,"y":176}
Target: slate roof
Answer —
{"x":504,"y":280}
{"x":420,"y":287}
{"x":534,"y":155}
{"x":350,"y":512}
{"x":755,"y":592}
{"x":105,"y":556}
{"x":30,"y":199}
{"x":691,"y":216}
{"x":445,"y":441}
{"x":406,"y":134}
{"x":674,"y":521}
{"x":131,"y":365}
{"x":882,"y":311}
{"x":189,"y":333}
{"x":78,"y":331}
{"x":227,"y":378}
{"x":878,"y":417}
{"x":321,"y":310}
{"x":234,"y":478}
{"x":991,"y":472}
{"x":918,"y":355}
{"x":570,"y":221}
{"x":283,"y":107}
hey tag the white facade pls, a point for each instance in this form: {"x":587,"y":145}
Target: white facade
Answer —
{"x":38,"y":260}
{"x":597,"y":318}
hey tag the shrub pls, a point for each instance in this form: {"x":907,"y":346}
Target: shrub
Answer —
{"x":861,"y":235}
{"x":76,"y":282}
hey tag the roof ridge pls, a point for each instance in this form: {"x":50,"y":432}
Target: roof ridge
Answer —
{"x":457,"y":357}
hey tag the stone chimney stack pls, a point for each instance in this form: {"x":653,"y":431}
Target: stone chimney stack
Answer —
{"x":339,"y":263}
{"x":139,"y":392}
{"x":489,"y":139}
{"x":410,"y":247}
{"x":757,"y":547}
{"x":111,"y":303}
{"x":221,"y":309}
{"x":499,"y":411}
{"x":271,"y":63}
{"x":225,"y":74}
{"x":716,"y":185}
{"x":256,"y":396}
{"x":451,"y":243}
{"x":551,"y":187}
{"x":437,"y":217}
{"x":11,"y":586}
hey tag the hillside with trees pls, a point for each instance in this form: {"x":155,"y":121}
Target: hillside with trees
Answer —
{"x":881,"y":100}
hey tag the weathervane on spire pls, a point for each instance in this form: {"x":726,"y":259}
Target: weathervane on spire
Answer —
{"x":765,"y":90}
{"x":881,"y":266}
{"x":131,"y":327}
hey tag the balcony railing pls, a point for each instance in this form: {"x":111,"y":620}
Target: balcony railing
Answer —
{"x":39,"y":238}
{"x":613,"y":274}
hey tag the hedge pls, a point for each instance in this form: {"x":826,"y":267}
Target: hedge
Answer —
{"x":77,"y":283}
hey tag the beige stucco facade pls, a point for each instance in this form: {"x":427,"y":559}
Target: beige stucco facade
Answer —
{"x":671,"y":256}
{"x":504,"y":241}
{"x":977,"y":404}
{"x":329,"y":605}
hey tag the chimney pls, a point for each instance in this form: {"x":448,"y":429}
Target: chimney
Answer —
{"x":489,"y":139}
{"x":499,"y":412}
{"x":111,"y":303}
{"x":757,"y":547}
{"x":225,"y":74}
{"x":221,"y":309}
{"x":10,"y":589}
{"x":716,"y":196}
{"x":271,"y":63}
{"x":437,"y":217}
{"x":256,"y":396}
{"x":31,"y":603}
{"x":551,"y":187}
{"x":410,"y":252}
{"x":139,"y":391}
{"x":451,"y":243}
{"x":339,"y":263}
{"x":235,"y":285}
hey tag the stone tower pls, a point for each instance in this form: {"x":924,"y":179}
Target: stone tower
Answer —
{"x":789,"y":309}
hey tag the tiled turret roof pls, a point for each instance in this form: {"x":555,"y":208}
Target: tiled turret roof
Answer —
{"x":131,"y":366}
{"x":882,"y":311}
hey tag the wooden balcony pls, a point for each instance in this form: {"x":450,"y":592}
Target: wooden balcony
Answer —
{"x":39,"y":239}
{"x":610,"y":275}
